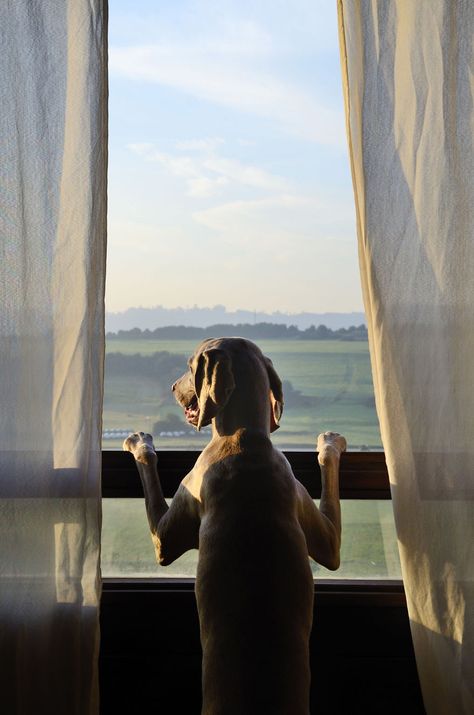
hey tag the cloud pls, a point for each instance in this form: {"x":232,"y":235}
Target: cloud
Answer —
{"x":206,"y":173}
{"x":141,"y":148}
{"x":230,"y":79}
{"x":286,"y":218}
{"x":246,"y":142}
{"x":288,"y":250}
{"x":134,"y":239}
{"x":209,"y":144}
{"x":245,"y":174}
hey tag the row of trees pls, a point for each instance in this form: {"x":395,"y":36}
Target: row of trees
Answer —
{"x":245,"y":330}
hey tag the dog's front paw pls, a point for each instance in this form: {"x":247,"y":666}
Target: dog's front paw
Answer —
{"x":330,"y":446}
{"x":140,"y":444}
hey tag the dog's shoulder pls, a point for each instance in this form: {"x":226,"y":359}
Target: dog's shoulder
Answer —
{"x":244,"y":450}
{"x":244,"y":467}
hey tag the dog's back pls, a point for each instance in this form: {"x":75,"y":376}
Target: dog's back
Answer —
{"x":254,"y":585}
{"x":255,"y":526}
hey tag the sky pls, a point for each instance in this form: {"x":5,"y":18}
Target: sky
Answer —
{"x":229,"y":180}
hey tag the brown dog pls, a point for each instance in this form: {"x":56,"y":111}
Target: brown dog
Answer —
{"x":254,"y":525}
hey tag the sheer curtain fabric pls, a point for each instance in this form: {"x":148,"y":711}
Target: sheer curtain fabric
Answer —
{"x":408,"y":74}
{"x":52,"y":263}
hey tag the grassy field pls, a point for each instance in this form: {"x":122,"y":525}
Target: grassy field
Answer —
{"x":369,"y":544}
{"x":334,"y":374}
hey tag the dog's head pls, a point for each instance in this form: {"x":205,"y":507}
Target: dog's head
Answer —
{"x":216,"y":368}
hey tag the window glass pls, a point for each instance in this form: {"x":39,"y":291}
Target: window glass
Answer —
{"x":230,"y":203}
{"x":369,"y":544}
{"x":231,"y":212}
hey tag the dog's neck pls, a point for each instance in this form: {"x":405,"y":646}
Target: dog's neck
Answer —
{"x":244,"y":411}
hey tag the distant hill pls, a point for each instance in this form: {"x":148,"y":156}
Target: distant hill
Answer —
{"x":257,"y":331}
{"x":158,"y":317}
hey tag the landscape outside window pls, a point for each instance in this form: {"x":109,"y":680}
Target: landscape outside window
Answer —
{"x":231,"y":213}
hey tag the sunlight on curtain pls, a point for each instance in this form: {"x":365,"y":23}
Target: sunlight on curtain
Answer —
{"x":408,"y":71}
{"x":53,"y":94}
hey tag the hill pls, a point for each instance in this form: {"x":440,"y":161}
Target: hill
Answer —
{"x":257,"y":331}
{"x":158,"y":317}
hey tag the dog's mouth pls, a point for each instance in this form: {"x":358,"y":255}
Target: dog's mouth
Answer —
{"x":191,"y":411}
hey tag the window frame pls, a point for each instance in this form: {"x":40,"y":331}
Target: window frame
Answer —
{"x":363,"y":475}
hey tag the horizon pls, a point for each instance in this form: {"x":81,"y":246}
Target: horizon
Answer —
{"x":150,"y":318}
{"x":221,"y":307}
{"x":229,"y":172}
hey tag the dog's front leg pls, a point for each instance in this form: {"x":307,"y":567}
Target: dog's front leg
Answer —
{"x":322,"y":527}
{"x":330,"y":446}
{"x":174,"y":529}
{"x":141,"y":446}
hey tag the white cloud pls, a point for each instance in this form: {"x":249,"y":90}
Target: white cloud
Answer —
{"x":231,"y":80}
{"x":245,"y":174}
{"x":285,"y":251}
{"x":207,"y":173}
{"x":204,"y":187}
{"x":209,"y":144}
{"x":141,"y":148}
{"x":287,"y":216}
{"x":246,"y":142}
{"x":290,"y":252}
{"x":136,"y":239}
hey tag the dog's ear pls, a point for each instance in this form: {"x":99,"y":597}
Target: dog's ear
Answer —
{"x":276,"y":396}
{"x":214,"y":383}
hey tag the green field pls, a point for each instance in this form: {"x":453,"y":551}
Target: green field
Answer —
{"x":332,"y":377}
{"x":369,"y":544}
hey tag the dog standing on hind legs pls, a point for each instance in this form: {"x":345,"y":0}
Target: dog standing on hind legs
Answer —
{"x":254,"y":525}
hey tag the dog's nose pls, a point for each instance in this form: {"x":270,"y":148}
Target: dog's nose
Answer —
{"x":173,"y":386}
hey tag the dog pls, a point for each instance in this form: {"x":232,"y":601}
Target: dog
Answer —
{"x":254,"y":525}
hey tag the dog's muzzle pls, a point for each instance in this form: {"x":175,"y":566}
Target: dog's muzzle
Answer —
{"x":191,"y":412}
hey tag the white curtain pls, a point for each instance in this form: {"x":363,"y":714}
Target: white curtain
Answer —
{"x":408,"y":73}
{"x":53,"y":95}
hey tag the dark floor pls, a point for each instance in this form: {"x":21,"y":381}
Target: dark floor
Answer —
{"x":361,"y":654}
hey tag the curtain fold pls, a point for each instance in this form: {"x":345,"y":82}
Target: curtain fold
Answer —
{"x":408,"y":80}
{"x":53,"y":94}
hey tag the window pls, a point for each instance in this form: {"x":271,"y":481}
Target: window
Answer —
{"x":231,"y":204}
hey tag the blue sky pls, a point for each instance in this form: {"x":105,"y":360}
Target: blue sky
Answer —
{"x":229,"y":180}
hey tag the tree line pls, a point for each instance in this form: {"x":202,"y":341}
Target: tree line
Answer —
{"x":257,"y":331}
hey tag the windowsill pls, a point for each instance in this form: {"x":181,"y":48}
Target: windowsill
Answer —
{"x":362,"y":593}
{"x":363,"y":475}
